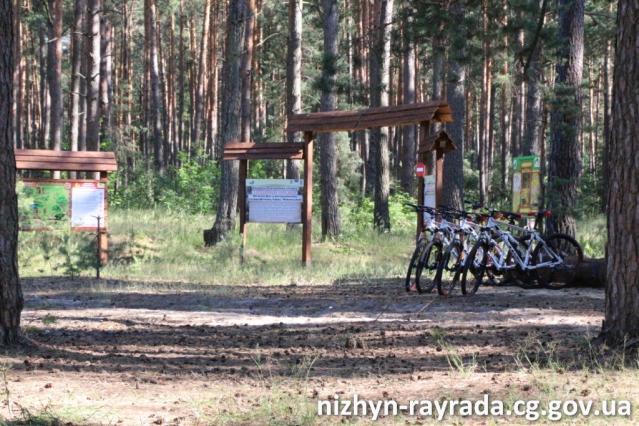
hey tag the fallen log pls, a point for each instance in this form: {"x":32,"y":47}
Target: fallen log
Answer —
{"x":590,"y":273}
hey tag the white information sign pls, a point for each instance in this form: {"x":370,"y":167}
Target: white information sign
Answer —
{"x":87,"y":203}
{"x":429,"y":191}
{"x":274,"y":200}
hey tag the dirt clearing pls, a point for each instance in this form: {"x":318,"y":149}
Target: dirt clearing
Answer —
{"x":141,"y":353}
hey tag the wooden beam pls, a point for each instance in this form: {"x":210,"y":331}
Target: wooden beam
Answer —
{"x":370,"y":118}
{"x":307,"y":205}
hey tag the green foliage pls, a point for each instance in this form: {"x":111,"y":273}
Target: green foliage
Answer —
{"x":25,"y":200}
{"x":592,"y":235}
{"x":471,"y":180}
{"x":192,"y":187}
{"x":359,"y":218}
{"x":57,"y":251}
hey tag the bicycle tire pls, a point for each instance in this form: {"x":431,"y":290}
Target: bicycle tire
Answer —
{"x":560,"y":277}
{"x":412,"y":265}
{"x":469,"y":265}
{"x":447,"y":289}
{"x":427,"y":264}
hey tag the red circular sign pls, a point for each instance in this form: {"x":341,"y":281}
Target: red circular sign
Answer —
{"x":420,"y":170}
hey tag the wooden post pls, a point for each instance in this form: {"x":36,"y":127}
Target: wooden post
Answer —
{"x":242,"y":205}
{"x":439,"y":176}
{"x":307,"y":205}
{"x":103,"y":246}
{"x":423,"y":132}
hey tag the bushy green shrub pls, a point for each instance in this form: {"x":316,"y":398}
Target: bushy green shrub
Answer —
{"x":190,"y":188}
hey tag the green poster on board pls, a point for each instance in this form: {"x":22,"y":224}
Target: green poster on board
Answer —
{"x":47,"y":205}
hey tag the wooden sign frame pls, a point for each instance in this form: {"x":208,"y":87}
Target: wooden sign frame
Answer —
{"x":99,"y":162}
{"x":421,"y":114}
{"x":246,"y":151}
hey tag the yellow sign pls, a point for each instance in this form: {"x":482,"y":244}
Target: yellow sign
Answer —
{"x":526,"y":184}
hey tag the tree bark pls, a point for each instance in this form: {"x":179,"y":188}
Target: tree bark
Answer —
{"x":380,"y":81}
{"x":328,"y":102}
{"x":54,"y":74}
{"x":155,"y":108}
{"x":231,"y":125}
{"x":94,"y":11}
{"x":18,"y":78}
{"x":455,"y":92}
{"x":106,"y":78}
{"x":196,"y":129}
{"x":294,"y":76}
{"x":76,"y":71}
{"x":621,"y":325}
{"x":409,"y":133}
{"x":531,"y":139}
{"x":11,"y":301}
{"x":247,"y":71}
{"x":565,"y":122}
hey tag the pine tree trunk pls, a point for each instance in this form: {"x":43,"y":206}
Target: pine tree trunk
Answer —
{"x":155,"y":108}
{"x":180,"y":83}
{"x":16,"y":105}
{"x":531,"y":139}
{"x":198,"y":118}
{"x":606,"y":123}
{"x":247,"y":71}
{"x":106,"y":79}
{"x":455,"y":92}
{"x":294,"y":76}
{"x":328,"y":102}
{"x":94,"y":10}
{"x":10,"y":292}
{"x":621,"y":325}
{"x":409,"y":133}
{"x":54,"y":74}
{"x":565,"y":122}
{"x":231,"y":125}
{"x":380,"y":82}
{"x":76,"y":73}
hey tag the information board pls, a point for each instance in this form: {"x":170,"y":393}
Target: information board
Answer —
{"x":430,"y":191}
{"x":526,"y":184}
{"x":274,"y":200}
{"x":47,"y":205}
{"x":87,"y":204}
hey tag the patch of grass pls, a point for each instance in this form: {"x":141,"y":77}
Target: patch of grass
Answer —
{"x":164,"y":246}
{"x":49,"y":319}
{"x":456,"y":361}
{"x":49,"y":416}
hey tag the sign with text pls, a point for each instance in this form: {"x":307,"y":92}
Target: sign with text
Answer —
{"x":274,"y":200}
{"x":87,"y":204}
{"x":430,"y":191}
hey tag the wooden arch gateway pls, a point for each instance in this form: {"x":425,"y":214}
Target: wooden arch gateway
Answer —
{"x":310,"y":124}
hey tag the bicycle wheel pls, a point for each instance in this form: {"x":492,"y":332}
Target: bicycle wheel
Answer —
{"x":477,"y":264}
{"x":447,"y":274}
{"x":412,"y":265}
{"x":571,"y":254}
{"x":516,"y":276}
{"x":427,"y":266}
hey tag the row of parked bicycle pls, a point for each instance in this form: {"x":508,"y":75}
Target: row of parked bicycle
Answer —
{"x":474,"y":248}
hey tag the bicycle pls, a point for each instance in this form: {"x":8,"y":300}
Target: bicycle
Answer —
{"x":533,"y":257}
